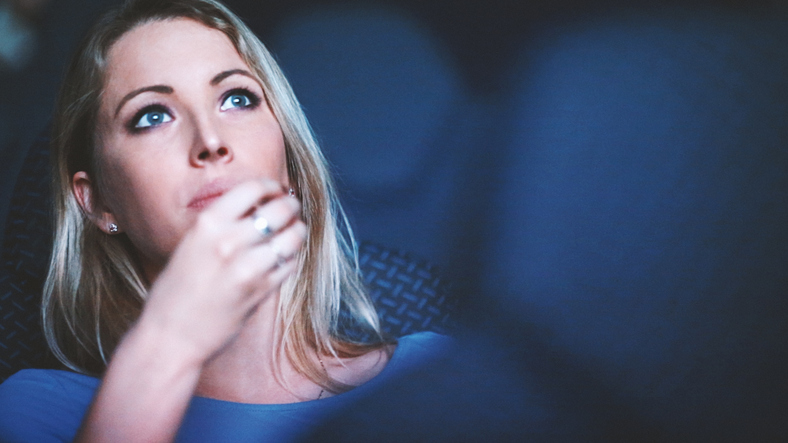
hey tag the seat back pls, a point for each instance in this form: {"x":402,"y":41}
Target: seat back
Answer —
{"x":646,"y":203}
{"x":23,"y":265}
{"x":395,"y":118}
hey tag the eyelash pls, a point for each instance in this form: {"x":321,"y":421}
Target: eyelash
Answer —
{"x":254,"y":99}
{"x":254,"y":102}
{"x":132,"y":124}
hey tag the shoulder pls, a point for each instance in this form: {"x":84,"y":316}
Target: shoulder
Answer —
{"x":44,"y":405}
{"x":419,"y":348}
{"x":424,"y":342}
{"x":409,"y":352}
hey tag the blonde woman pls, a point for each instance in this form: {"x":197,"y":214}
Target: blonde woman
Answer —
{"x":198,"y":267}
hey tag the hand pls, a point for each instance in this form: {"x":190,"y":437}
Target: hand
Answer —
{"x":224,"y":268}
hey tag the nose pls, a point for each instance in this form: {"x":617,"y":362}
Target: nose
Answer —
{"x":209,"y":144}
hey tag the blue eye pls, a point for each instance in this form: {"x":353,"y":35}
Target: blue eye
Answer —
{"x":239,"y":98}
{"x":151,"y":116}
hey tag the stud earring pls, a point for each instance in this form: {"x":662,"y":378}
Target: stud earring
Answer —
{"x":113,"y":228}
{"x":291,"y":192}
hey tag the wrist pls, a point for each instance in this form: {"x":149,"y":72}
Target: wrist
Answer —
{"x":159,"y":345}
{"x":150,"y":379}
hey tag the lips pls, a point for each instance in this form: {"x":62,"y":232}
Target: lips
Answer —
{"x":209,"y":192}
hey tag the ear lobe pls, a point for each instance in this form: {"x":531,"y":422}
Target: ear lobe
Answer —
{"x":83,"y":191}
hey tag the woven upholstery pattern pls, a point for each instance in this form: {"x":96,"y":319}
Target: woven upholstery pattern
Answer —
{"x":408,"y":293}
{"x":25,"y":258}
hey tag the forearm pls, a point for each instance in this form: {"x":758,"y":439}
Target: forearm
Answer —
{"x":145,"y":391}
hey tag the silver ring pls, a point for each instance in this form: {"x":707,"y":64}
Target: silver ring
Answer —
{"x":262,"y":226}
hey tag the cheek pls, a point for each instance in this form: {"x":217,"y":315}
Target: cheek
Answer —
{"x":279,"y":157}
{"x":125,"y":186}
{"x":136,"y":168}
{"x":277,"y":153}
{"x":139,"y":200}
{"x":117,"y":189}
{"x":265,"y":152}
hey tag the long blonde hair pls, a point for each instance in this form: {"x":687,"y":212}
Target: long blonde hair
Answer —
{"x":95,"y":290}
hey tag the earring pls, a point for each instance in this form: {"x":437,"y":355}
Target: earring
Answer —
{"x":291,"y":192}
{"x":113,"y":228}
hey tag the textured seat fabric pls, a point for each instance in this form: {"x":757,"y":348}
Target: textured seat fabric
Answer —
{"x":645,"y":246}
{"x":25,"y":257}
{"x":409,"y":293}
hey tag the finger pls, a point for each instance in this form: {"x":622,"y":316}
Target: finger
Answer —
{"x":264,"y":268}
{"x":268,"y":283}
{"x":239,"y":201}
{"x":275,"y":215}
{"x":280,"y":250}
{"x":287,"y":243}
{"x":278,"y":275}
{"x":233,"y":237}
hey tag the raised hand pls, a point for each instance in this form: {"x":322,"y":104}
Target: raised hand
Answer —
{"x":238,"y":253}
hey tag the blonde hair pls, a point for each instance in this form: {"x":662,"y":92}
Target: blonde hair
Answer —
{"x":95,"y":290}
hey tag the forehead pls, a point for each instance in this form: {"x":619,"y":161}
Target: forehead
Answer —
{"x":169,"y":51}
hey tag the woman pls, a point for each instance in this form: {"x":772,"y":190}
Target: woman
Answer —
{"x":196,"y":244}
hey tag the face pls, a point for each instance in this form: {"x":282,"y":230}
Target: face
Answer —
{"x":182,"y":120}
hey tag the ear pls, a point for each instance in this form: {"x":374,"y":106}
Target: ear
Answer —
{"x":84,"y":192}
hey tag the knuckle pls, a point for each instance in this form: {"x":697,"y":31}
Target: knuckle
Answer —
{"x":207,"y":223}
{"x":245,"y":274}
{"x":287,"y":206}
{"x":270,"y":280}
{"x":279,"y":207}
{"x":300,"y":230}
{"x":251,"y":186}
{"x":225,"y":248}
{"x":260,"y":186}
{"x":278,"y":213}
{"x":266,"y":187}
{"x":270,"y":185}
{"x":294,"y":204}
{"x":295,"y":238}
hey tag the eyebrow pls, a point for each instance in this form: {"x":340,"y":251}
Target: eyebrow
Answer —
{"x":223,"y":75}
{"x":163,"y":89}
{"x":156,"y":88}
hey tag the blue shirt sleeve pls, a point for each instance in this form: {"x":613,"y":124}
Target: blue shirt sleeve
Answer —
{"x":44,"y":405}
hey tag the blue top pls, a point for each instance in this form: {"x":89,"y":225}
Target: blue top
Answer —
{"x":42,"y":405}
